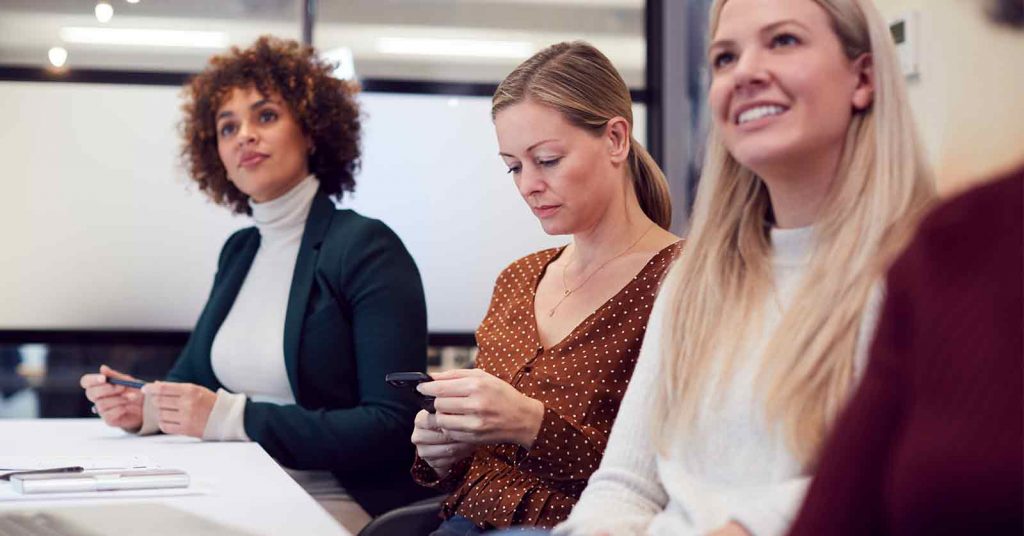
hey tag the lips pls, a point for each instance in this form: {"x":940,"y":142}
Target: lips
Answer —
{"x":756,"y":111}
{"x":545,"y":211}
{"x":251,"y":158}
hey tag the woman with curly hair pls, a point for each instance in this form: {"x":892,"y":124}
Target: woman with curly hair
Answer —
{"x":310,"y":308}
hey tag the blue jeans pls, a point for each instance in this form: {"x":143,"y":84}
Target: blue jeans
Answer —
{"x":457,"y":526}
{"x":521,"y":531}
{"x":460,"y":526}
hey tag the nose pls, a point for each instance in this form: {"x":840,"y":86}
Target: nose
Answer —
{"x":246,"y":134}
{"x":530,"y":181}
{"x":750,"y":73}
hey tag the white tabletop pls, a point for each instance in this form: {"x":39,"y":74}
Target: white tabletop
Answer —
{"x":244,"y":486}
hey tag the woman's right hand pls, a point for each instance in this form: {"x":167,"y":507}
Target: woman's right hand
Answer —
{"x":434,"y":447}
{"x":118,"y":405}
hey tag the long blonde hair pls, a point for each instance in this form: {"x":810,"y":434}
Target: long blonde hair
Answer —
{"x":580,"y":82}
{"x":722,"y":281}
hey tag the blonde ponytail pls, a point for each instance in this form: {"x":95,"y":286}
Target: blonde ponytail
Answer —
{"x":650,"y":185}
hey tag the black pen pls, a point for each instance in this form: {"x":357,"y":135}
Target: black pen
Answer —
{"x":72,"y":469}
{"x":126,"y":383}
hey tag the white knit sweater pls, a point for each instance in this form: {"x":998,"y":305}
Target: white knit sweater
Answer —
{"x":248,"y":351}
{"x":740,"y":468}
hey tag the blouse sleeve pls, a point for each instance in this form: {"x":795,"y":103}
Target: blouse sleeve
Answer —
{"x":564,"y":449}
{"x":424,"y":475}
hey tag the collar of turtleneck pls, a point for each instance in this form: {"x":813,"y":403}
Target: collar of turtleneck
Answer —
{"x":287,"y":212}
{"x":792,"y":247}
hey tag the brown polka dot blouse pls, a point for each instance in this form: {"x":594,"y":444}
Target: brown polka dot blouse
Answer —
{"x":580,"y":380}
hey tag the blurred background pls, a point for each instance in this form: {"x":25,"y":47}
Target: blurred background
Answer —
{"x":108,"y":251}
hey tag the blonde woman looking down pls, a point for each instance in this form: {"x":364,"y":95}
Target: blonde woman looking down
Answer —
{"x":812,"y":182}
{"x":515,"y":439}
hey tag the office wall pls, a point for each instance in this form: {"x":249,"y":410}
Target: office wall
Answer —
{"x":969,"y":97}
{"x":100,"y":228}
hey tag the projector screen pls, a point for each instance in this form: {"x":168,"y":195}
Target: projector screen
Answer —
{"x":101,"y":228}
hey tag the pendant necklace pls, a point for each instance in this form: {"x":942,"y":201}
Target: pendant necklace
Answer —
{"x":568,"y":291}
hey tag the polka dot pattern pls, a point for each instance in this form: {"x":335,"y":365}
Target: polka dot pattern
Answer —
{"x":580,"y":380}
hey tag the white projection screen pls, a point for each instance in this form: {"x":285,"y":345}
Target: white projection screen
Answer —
{"x":101,"y":229}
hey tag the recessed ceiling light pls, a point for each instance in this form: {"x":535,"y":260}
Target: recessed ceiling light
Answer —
{"x":58,"y":56}
{"x":104,"y":11}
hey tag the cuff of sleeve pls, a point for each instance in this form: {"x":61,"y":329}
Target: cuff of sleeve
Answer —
{"x":227,"y":419}
{"x":150,"y":418}
{"x":552,"y":439}
{"x":424,"y":475}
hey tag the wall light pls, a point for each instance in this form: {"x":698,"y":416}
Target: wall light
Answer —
{"x":58,"y":56}
{"x":104,"y":11}
{"x":454,"y":47}
{"x":143,"y":37}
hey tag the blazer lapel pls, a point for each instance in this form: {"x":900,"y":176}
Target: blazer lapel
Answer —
{"x":317,"y":223}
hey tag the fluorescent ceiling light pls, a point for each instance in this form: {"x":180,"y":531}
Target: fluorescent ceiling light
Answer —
{"x":143,"y":37}
{"x":454,"y":47}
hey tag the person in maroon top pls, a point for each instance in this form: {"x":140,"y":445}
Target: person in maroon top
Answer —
{"x":516,"y":439}
{"x":933,"y":440}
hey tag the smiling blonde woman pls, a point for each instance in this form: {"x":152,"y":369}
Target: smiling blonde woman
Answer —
{"x":812,"y":182}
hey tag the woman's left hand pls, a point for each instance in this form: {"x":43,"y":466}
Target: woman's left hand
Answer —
{"x":476,"y":407}
{"x":184,"y":407}
{"x":731,"y":528}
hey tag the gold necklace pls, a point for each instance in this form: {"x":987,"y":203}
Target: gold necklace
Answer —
{"x":568,"y":291}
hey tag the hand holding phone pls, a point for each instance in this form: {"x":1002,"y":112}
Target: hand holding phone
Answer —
{"x":409,"y":380}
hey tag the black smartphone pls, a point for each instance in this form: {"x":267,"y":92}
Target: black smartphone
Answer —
{"x":409,"y":380}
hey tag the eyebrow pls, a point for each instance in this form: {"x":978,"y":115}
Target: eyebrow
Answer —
{"x":530,"y":148}
{"x":767,"y":29}
{"x":253,"y":106}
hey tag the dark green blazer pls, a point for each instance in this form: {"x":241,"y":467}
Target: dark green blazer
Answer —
{"x":355,"y":313}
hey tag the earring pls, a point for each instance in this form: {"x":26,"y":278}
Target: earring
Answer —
{"x":312,"y":150}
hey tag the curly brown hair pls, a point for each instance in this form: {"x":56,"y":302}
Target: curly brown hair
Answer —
{"x":324,"y":107}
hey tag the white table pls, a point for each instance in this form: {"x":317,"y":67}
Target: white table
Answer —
{"x":247,"y":489}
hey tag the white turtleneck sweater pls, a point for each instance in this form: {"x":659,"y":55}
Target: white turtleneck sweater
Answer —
{"x":247,"y":355}
{"x":742,"y":470}
{"x":248,"y":351}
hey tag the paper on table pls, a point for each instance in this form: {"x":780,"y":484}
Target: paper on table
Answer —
{"x":28,"y":463}
{"x":7,"y":494}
